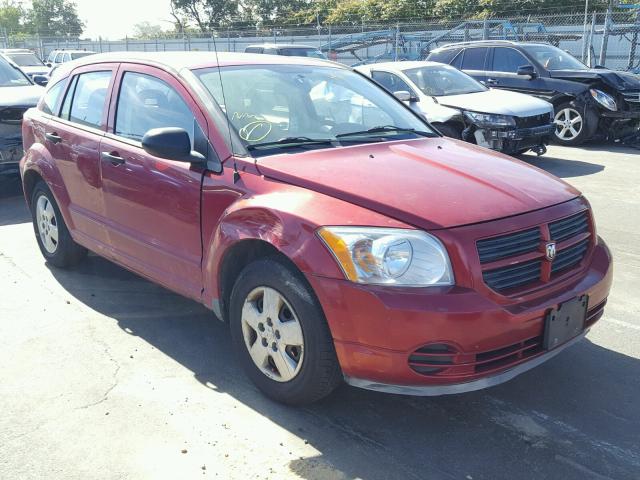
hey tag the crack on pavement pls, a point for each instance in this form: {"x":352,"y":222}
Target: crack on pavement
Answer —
{"x":114,"y":384}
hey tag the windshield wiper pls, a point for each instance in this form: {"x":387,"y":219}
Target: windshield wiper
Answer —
{"x":384,"y":129}
{"x":291,"y":142}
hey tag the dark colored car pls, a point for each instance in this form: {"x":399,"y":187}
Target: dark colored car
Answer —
{"x":17,"y":95}
{"x":588,"y":102}
{"x":326,"y":222}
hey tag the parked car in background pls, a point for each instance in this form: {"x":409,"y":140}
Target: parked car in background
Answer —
{"x":17,"y":94}
{"x":27,"y":60}
{"x":288,"y":50}
{"x":58,"y":57}
{"x":588,"y":102}
{"x":336,"y":232}
{"x":460,"y":107}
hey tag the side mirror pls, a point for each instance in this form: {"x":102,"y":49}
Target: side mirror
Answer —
{"x":41,"y":80}
{"x":404,"y":96}
{"x":48,"y":64}
{"x":171,"y":143}
{"x":527,"y":70}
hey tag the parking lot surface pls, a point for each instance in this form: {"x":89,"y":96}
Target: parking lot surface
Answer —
{"x":105,"y":375}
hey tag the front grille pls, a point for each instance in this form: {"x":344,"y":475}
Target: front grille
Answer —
{"x":12,"y":115}
{"x":519,"y":260}
{"x":632,"y":98}
{"x":504,"y":246}
{"x":570,"y":256}
{"x":513,"y":276}
{"x":569,"y":227}
{"x":533,"y":121}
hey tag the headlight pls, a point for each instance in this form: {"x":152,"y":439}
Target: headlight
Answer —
{"x":389,"y":256}
{"x":604,"y":99}
{"x":487,"y":120}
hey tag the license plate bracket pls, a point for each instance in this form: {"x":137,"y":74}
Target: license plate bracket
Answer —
{"x":565,"y":322}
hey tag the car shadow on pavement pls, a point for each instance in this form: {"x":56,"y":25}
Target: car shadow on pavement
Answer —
{"x":574,"y":417}
{"x":562,"y":168}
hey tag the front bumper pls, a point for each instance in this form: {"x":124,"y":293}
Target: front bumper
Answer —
{"x":376,"y":329}
{"x":512,"y":140}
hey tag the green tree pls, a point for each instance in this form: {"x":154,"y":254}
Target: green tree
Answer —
{"x":11,"y":17}
{"x":206,"y":14}
{"x":146,"y":29}
{"x":54,"y":18}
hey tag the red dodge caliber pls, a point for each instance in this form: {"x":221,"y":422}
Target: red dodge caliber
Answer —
{"x":331,"y":227}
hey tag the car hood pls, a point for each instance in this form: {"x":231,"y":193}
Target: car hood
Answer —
{"x":26,"y":96}
{"x":500,"y":102}
{"x":35,"y":70}
{"x":429,"y":183}
{"x":618,"y":80}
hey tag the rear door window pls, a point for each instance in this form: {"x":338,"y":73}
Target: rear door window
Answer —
{"x":507,"y":60}
{"x":59,"y":58}
{"x":86,"y":98}
{"x":66,"y":57}
{"x":253,"y":50}
{"x":146,"y":102}
{"x":474,"y":58}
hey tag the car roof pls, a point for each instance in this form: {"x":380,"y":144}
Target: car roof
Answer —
{"x":193,"y":60}
{"x":485,"y":43}
{"x":399,"y":66}
{"x":281,"y":45}
{"x":16,"y":50}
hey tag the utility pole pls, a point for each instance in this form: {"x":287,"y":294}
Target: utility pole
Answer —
{"x":584,"y":32}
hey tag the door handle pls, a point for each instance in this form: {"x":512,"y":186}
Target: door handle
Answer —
{"x":112,"y":157}
{"x":53,"y":137}
{"x":492,"y":81}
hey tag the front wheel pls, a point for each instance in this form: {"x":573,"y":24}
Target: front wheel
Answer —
{"x":574,"y":124}
{"x":280,"y":334}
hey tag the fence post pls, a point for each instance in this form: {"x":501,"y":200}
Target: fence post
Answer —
{"x":485,"y":30}
{"x":584,"y":32}
{"x":396,"y":43}
{"x":605,"y":38}
{"x":274,"y":36}
{"x":126,"y":43}
{"x":592,"y":32}
{"x":634,"y":41}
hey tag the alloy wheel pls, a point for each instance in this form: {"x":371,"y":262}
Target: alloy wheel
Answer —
{"x":47,"y":224}
{"x":568,"y":123}
{"x":272,"y":334}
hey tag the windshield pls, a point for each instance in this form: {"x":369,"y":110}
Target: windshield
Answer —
{"x":301,"y":52}
{"x":552,"y":58}
{"x":11,"y":76}
{"x":25,"y":59}
{"x":442,"y":80}
{"x":302,"y":104}
{"x":77,"y":55}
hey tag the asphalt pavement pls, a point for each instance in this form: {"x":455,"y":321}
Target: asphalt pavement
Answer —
{"x":104,"y":375}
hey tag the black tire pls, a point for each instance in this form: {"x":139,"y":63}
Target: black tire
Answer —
{"x":320,"y":372}
{"x":67,"y":252}
{"x":588,"y":128}
{"x":449,"y":130}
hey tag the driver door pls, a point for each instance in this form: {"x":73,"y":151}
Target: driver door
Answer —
{"x":152,"y":204}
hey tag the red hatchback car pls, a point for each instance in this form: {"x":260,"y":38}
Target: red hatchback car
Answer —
{"x":331,"y":227}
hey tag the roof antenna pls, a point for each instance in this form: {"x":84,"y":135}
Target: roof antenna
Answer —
{"x":236,"y":173}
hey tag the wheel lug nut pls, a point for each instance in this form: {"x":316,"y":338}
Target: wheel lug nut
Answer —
{"x":274,"y":346}
{"x":278,"y":334}
{"x":261,"y":327}
{"x":264,"y":342}
{"x":269,"y":322}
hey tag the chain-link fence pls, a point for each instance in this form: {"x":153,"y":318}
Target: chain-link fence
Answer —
{"x":608,"y":39}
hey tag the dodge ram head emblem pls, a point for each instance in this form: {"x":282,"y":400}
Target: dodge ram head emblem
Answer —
{"x":550,"y":249}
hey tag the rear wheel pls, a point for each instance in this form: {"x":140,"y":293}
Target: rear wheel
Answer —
{"x":280,"y":334}
{"x":53,"y":237}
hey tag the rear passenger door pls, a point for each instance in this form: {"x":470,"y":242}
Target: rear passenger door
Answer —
{"x":153,"y":204}
{"x":473,"y":61}
{"x":72,"y":136}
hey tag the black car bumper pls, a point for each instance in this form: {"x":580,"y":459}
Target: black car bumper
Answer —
{"x":514,"y":140}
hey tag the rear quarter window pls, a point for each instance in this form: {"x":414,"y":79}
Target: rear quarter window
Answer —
{"x":50,"y":99}
{"x":444,"y":56}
